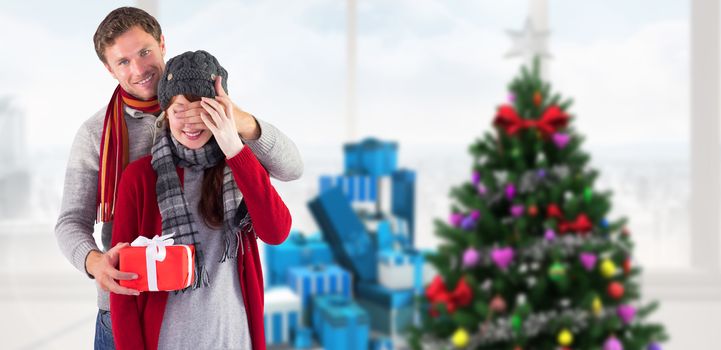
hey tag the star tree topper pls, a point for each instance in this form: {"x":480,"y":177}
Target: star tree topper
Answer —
{"x":528,"y":42}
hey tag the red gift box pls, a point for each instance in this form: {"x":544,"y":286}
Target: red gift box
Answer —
{"x":160,"y":265}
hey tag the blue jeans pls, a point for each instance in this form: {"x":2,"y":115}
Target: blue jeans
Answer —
{"x":103,"y":332}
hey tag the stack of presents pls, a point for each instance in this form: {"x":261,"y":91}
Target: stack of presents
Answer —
{"x":354,"y":285}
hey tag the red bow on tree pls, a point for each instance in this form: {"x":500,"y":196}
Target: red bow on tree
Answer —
{"x":553,"y":118}
{"x":581,"y":224}
{"x":554,"y":212}
{"x":437,"y":293}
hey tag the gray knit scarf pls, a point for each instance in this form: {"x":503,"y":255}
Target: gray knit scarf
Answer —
{"x":167,"y":153}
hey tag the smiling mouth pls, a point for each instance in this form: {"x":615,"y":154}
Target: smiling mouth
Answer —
{"x":146,"y":80}
{"x":193,"y":135}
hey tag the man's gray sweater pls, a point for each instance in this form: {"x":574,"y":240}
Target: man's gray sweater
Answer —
{"x":74,"y":229}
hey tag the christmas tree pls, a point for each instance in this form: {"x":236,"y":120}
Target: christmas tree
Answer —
{"x":529,"y":259}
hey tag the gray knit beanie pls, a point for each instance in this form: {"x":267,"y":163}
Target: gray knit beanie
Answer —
{"x":190,"y":73}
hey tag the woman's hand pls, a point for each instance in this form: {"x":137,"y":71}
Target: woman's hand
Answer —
{"x":218,"y":117}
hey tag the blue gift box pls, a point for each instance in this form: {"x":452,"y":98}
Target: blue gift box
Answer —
{"x":371,"y":156}
{"x":384,"y":236}
{"x":381,"y":295}
{"x":297,"y":250}
{"x":308,"y":281}
{"x":345,"y":233}
{"x":404,"y":269}
{"x":391,"y":233}
{"x":390,"y":311}
{"x":281,"y":316}
{"x":395,"y":257}
{"x":340,"y":323}
{"x":302,"y":338}
{"x":357,"y":188}
{"x":403,"y":199}
{"x":382,"y":343}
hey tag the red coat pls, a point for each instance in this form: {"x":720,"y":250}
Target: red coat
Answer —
{"x":137,"y":320}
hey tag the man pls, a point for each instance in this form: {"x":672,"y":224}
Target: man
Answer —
{"x":130,"y":44}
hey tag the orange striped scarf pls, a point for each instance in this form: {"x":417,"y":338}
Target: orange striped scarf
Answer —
{"x":114,"y":148}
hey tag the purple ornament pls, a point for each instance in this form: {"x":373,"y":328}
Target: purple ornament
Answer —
{"x":626,"y":313}
{"x":549,"y":235}
{"x":510,"y":191}
{"x":482,"y":189}
{"x":475,"y":214}
{"x":588,"y":260}
{"x":561,"y":139}
{"x":612,"y":343}
{"x":471,"y":257}
{"x":654,"y":346}
{"x":517,"y":210}
{"x":502,"y":257}
{"x":541,"y":173}
{"x":468,"y":223}
{"x":456,"y":219}
{"x":511,"y":97}
{"x":476,"y":177}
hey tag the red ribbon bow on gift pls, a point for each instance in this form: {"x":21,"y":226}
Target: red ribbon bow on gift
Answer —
{"x":553,"y":118}
{"x":437,"y":293}
{"x":581,"y":224}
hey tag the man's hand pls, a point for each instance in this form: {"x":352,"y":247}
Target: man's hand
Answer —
{"x":245,"y":124}
{"x":102,"y":266}
{"x":189,"y":115}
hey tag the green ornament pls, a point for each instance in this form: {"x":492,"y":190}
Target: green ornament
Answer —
{"x":587,"y":194}
{"x":557,"y":271}
{"x":515,"y":152}
{"x":516,"y":323}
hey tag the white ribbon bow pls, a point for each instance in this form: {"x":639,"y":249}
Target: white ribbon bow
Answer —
{"x":154,"y":251}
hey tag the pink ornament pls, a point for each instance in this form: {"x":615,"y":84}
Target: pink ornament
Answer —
{"x":482,"y":189}
{"x":475,"y":214}
{"x":468,"y":223}
{"x":511,"y":97}
{"x":612,"y":343}
{"x":561,"y":139}
{"x":654,"y":346}
{"x":498,"y":304}
{"x":456,"y":219}
{"x":549,"y":235}
{"x":626,"y":313}
{"x":517,"y":210}
{"x":471,"y":257}
{"x":476,"y":177}
{"x":502,"y":257}
{"x":510,"y":191}
{"x":588,"y":260}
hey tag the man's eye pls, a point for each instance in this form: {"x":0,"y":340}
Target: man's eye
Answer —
{"x":123,"y":62}
{"x":144,"y":52}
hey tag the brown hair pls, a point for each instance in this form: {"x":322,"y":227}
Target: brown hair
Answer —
{"x":210,"y":206}
{"x":120,"y":21}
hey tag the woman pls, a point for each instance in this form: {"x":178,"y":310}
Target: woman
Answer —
{"x":212,"y":193}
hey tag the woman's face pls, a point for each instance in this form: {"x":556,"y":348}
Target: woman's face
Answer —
{"x":187,"y":134}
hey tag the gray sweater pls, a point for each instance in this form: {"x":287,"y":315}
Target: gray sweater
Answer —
{"x":214,"y":315}
{"x":75,"y":226}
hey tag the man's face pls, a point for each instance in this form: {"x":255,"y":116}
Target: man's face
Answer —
{"x":136,"y":61}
